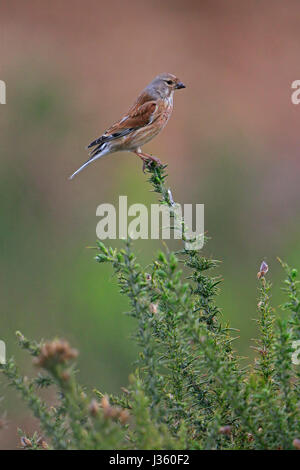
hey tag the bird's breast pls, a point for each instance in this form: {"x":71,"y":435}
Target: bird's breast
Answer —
{"x":165,"y":109}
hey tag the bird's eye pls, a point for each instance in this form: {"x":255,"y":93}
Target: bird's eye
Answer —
{"x":169,"y":82}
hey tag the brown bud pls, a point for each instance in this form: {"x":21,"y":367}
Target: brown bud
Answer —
{"x":296,"y":444}
{"x":107,"y":408}
{"x":94,"y":407}
{"x":105,"y":402}
{"x":153,"y":308}
{"x":42,"y":443}
{"x":114,"y":411}
{"x":124,"y":416}
{"x":55,"y":352}
{"x":225,"y":430}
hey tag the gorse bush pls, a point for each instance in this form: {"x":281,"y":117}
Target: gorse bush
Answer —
{"x":189,"y":389}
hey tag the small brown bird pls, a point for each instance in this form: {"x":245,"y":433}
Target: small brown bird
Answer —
{"x":144,"y":120}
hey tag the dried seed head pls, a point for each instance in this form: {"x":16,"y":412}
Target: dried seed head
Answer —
{"x":55,"y":352}
{"x":105,"y":402}
{"x":264,"y":268}
{"x":124,"y":416}
{"x":113,"y":412}
{"x":296,"y":444}
{"x":153,"y":308}
{"x":225,"y":430}
{"x":109,"y":413}
{"x":107,"y":408}
{"x":94,"y":407}
{"x":42,"y":443}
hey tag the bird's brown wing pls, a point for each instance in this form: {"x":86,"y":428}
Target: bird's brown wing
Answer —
{"x":138,"y":116}
{"x":141,"y":114}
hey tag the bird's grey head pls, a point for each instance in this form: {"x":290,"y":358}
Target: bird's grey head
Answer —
{"x":164,"y":85}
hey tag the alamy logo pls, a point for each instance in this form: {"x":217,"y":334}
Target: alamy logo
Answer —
{"x":296,"y":353}
{"x":2,"y":92}
{"x":295,"y":96}
{"x":2,"y":352}
{"x":145,"y":224}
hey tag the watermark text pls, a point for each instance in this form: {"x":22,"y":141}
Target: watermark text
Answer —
{"x":162,"y":221}
{"x":2,"y":92}
{"x":2,"y":352}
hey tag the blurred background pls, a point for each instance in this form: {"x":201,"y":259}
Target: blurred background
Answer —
{"x":73,"y":68}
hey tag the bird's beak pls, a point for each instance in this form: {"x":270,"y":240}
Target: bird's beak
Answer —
{"x":179,"y":85}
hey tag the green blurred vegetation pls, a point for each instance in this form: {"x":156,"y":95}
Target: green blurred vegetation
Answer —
{"x":189,"y":389}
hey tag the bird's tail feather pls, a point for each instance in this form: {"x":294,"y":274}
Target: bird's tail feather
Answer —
{"x":90,"y":160}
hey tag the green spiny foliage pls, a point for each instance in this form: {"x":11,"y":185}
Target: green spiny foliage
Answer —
{"x":189,"y":389}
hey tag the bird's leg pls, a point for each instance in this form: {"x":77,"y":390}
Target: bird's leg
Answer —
{"x":147,"y":158}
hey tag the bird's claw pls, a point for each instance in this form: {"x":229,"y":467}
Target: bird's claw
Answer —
{"x":147,"y":162}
